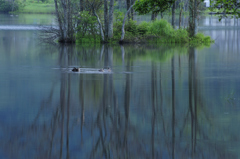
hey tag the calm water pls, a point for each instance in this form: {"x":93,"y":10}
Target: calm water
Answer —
{"x":159,"y":101}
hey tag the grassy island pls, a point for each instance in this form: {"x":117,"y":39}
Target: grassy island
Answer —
{"x":87,"y":30}
{"x":157,"y":31}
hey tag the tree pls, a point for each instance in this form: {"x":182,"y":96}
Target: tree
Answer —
{"x":64,"y":17}
{"x":173,"y":14}
{"x":107,"y":32}
{"x":110,"y":20}
{"x":132,"y":10}
{"x":128,"y":2}
{"x":154,"y":6}
{"x":154,"y":16}
{"x":124,"y":20}
{"x":106,"y":18}
{"x":81,"y":5}
{"x":226,"y":7}
{"x":193,"y":13}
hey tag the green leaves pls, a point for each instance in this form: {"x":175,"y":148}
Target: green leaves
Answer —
{"x":155,"y":6}
{"x":6,"y":6}
{"x":225,"y":7}
{"x":87,"y":25}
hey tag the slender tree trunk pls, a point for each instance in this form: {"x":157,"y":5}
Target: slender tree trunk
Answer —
{"x":110,"y":26}
{"x":59,"y":19}
{"x":81,"y":5}
{"x":70,"y":30}
{"x":161,"y":15}
{"x":191,"y":18}
{"x":132,"y":11}
{"x":124,"y":20}
{"x":195,"y":17}
{"x":154,"y":16}
{"x":180,"y":18}
{"x":128,"y":6}
{"x":100,"y":25}
{"x":65,"y":19}
{"x":106,"y":19}
{"x":173,"y":14}
{"x":119,"y":5}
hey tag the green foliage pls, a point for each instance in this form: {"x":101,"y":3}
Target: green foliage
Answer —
{"x":118,"y":16}
{"x":131,"y":27}
{"x":181,"y":36}
{"x":156,"y":6}
{"x":35,"y":7}
{"x":200,"y":38}
{"x":143,"y":28}
{"x":158,"y":31}
{"x":225,"y":6}
{"x":117,"y":25}
{"x":87,"y":26}
{"x":161,"y":28}
{"x":8,"y":6}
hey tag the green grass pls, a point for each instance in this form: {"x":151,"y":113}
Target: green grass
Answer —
{"x":38,"y":7}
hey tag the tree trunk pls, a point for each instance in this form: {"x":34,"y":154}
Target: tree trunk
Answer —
{"x":191,"y":18}
{"x":173,"y":14}
{"x":132,"y":2}
{"x":100,"y":25}
{"x":195,"y":16}
{"x":106,"y":18}
{"x":81,"y":5}
{"x":154,"y":16}
{"x":110,"y":22}
{"x":65,"y":19}
{"x":59,"y":19}
{"x":70,"y":24}
{"x":180,"y":18}
{"x":128,"y":6}
{"x":124,"y":20}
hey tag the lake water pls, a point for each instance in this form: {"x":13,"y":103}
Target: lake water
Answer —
{"x":158,"y":101}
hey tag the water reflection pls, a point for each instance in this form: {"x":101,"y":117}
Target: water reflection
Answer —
{"x":154,"y":105}
{"x":160,"y":101}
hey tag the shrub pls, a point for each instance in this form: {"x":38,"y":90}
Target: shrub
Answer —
{"x":87,"y":25}
{"x":181,"y":36}
{"x":6,"y":6}
{"x":131,"y":26}
{"x":207,"y":39}
{"x":161,"y":28}
{"x":117,"y":25}
{"x":200,"y":38}
{"x":142,"y":28}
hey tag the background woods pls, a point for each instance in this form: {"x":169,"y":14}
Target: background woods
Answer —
{"x":103,"y":20}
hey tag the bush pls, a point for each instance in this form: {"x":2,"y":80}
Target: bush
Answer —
{"x":143,"y":28}
{"x":131,"y":27}
{"x":6,"y":6}
{"x":161,"y":28}
{"x":87,"y":25}
{"x":117,"y":25}
{"x":181,"y":36}
{"x":200,"y":38}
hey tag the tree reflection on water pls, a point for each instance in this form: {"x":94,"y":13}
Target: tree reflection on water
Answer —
{"x":156,"y":111}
